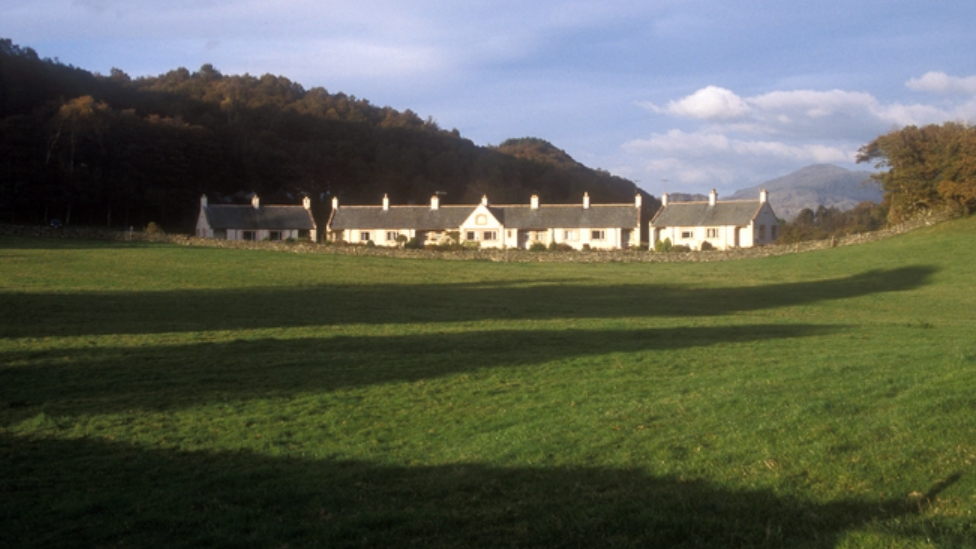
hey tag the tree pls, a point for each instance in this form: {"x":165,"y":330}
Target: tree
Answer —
{"x":927,"y":167}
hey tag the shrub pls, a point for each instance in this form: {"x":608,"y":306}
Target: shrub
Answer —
{"x":537,"y":247}
{"x":153,"y":228}
{"x":706,"y":246}
{"x":402,"y":240}
{"x":370,"y":244}
{"x":679,"y":248}
{"x":586,"y":247}
{"x":663,"y":246}
{"x":413,"y":244}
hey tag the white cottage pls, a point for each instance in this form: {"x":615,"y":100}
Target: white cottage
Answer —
{"x":597,"y":226}
{"x":256,"y":222}
{"x":722,"y":224}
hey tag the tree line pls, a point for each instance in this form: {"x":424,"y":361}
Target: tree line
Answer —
{"x":117,"y":151}
{"x":925,"y":168}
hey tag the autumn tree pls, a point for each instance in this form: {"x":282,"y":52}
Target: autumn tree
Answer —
{"x":928,"y":167}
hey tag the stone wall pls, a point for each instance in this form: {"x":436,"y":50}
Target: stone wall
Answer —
{"x":620,"y":256}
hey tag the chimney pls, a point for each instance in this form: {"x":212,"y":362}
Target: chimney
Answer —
{"x":386,"y":203}
{"x":534,"y":202}
{"x":762,"y":196}
{"x":712,"y":196}
{"x":664,"y":199}
{"x":203,"y":201}
{"x":335,"y":202}
{"x":586,"y":201}
{"x":435,"y":202}
{"x":307,"y":203}
{"x":255,"y":201}
{"x":638,"y":200}
{"x":484,"y":200}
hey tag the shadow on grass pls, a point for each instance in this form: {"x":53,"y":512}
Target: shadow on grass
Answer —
{"x":100,"y":380}
{"x":40,"y":315}
{"x":90,"y":493}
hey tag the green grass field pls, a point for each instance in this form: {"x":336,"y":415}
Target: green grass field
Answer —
{"x":155,"y":395}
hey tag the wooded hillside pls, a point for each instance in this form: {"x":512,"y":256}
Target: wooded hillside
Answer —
{"x":119,"y":151}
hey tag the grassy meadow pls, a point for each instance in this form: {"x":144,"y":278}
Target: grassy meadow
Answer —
{"x":156,"y":395}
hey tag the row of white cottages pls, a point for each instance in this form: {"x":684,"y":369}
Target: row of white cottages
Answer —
{"x":723,"y":224}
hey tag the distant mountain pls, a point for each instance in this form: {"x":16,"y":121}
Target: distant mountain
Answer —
{"x":813,"y":186}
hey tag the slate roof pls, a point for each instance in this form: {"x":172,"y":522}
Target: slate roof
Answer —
{"x":274,"y":218}
{"x":511,"y":216}
{"x":700,"y":214}
{"x":399,"y":217}
{"x":567,"y":216}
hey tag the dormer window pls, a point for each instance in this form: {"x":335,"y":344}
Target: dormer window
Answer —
{"x":481,"y":219}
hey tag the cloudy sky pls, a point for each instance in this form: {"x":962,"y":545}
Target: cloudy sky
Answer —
{"x":679,"y":95}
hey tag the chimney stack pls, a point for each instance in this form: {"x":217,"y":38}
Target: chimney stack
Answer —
{"x":255,"y":201}
{"x":203,"y":200}
{"x":664,"y":199}
{"x":763,"y":196}
{"x":386,"y":203}
{"x":534,"y":202}
{"x":307,"y":203}
{"x":335,"y":202}
{"x":712,"y":197}
{"x":638,"y":200}
{"x":586,"y":201}
{"x":484,"y":200}
{"x":435,"y":202}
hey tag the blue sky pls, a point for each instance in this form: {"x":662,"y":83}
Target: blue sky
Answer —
{"x":679,"y":95}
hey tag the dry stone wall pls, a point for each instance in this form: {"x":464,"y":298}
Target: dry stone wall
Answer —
{"x":620,"y":256}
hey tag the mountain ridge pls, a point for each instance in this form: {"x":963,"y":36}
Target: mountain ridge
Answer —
{"x":813,"y":186}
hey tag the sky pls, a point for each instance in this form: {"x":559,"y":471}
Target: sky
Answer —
{"x":676,"y":95}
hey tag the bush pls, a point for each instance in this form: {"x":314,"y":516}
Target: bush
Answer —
{"x":680,"y":248}
{"x":413,"y":244}
{"x":560,"y":247}
{"x":707,"y":246}
{"x":370,"y":244}
{"x":663,"y":246}
{"x":153,"y":228}
{"x":537,"y":247}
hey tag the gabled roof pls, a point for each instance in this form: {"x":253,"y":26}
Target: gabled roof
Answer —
{"x":233,"y":216}
{"x":701,"y":214}
{"x":511,"y":216}
{"x":400,"y":217}
{"x":572,"y":216}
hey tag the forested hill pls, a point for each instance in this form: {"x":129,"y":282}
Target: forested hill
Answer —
{"x":117,"y":151}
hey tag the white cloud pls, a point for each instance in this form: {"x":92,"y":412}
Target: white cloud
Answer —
{"x":940,"y":82}
{"x":709,"y":103}
{"x":710,"y":144}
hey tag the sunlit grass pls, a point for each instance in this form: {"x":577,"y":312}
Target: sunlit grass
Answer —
{"x":166,"y":395}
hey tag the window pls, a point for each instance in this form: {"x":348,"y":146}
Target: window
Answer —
{"x":392,"y":236}
{"x":773,"y":230}
{"x":571,"y":236}
{"x":470,"y":235}
{"x":274,"y":236}
{"x":537,"y":236}
{"x":686,"y":234}
{"x":510,"y":233}
{"x":489,"y":235}
{"x":598,"y":235}
{"x":762,"y":232}
{"x":481,"y":219}
{"x":247,"y":235}
{"x":364,"y":236}
{"x":711,"y":233}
